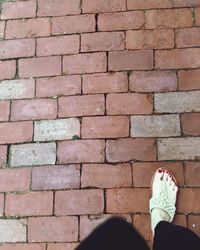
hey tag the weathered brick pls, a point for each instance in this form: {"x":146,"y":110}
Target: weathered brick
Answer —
{"x":105,"y":83}
{"x":85,"y":63}
{"x":192,"y":173}
{"x":43,"y":66}
{"x":89,"y":6}
{"x":81,"y":151}
{"x":58,"y":177}
{"x":186,"y":3}
{"x":3,"y":155}
{"x":179,"y":148}
{"x":86,"y":105}
{"x":106,"y":176}
{"x":76,"y":202}
{"x":29,"y":204}
{"x":189,"y":37}
{"x":34,"y":109}
{"x":155,"y":126}
{"x":20,"y":9}
{"x":53,"y":130}
{"x":49,"y":46}
{"x":188,"y":200}
{"x":2,"y":29}
{"x":32,"y":154}
{"x":23,"y":28}
{"x":73,"y":24}
{"x":57,"y":86}
{"x":94,"y":127}
{"x":189,"y":79}
{"x":171,"y":18}
{"x":1,"y":204}
{"x":4,"y":110}
{"x":150,"y":4}
{"x":129,"y":103}
{"x":16,"y":132}
{"x":120,"y":21}
{"x":149,"y":39}
{"x":177,"y":102}
{"x":58,"y":7}
{"x":194,"y":223}
{"x":123,"y":150}
{"x":153,"y":81}
{"x":53,"y":229}
{"x":197,"y":16}
{"x":62,"y":246}
{"x":190,"y":123}
{"x":143,"y":223}
{"x":17,"y":89}
{"x":23,"y":246}
{"x":7,"y":69}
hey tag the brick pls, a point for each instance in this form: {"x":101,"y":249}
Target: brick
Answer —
{"x":34,"y":109}
{"x":12,"y":230}
{"x":143,"y":223}
{"x":197,"y":16}
{"x":17,"y":89}
{"x":81,"y":151}
{"x":186,"y":3}
{"x":3,"y":155}
{"x":58,"y":177}
{"x":86,"y":105}
{"x":62,"y":246}
{"x":178,"y":58}
{"x":177,"y":102}
{"x":194,"y":223}
{"x":58,"y":8}
{"x":180,"y":220}
{"x":29,"y":204}
{"x":57,"y":86}
{"x":89,"y":6}
{"x":73,"y":24}
{"x":15,"y":180}
{"x":23,"y":28}
{"x":130,"y":60}
{"x":7,"y":69}
{"x":53,"y":130}
{"x":124,"y":150}
{"x":102,"y":41}
{"x":53,"y":229}
{"x":16,"y":132}
{"x":24,"y":246}
{"x":190,"y":123}
{"x":1,"y":204}
{"x":153,"y":81}
{"x":189,"y":79}
{"x":179,"y":148}
{"x":127,"y":200}
{"x":188,"y":200}
{"x":85,"y":63}
{"x":129,"y":103}
{"x":43,"y":66}
{"x":192,"y":172}
{"x":49,"y":46}
{"x":106,"y":176}
{"x":171,"y":18}
{"x":105,"y":83}
{"x":150,"y":4}
{"x":143,"y":172}
{"x":4,"y":110}
{"x":120,"y":21}
{"x":2,"y":29}
{"x":75,"y":202}
{"x":189,"y":37}
{"x":155,"y":126}
{"x":33,"y":154}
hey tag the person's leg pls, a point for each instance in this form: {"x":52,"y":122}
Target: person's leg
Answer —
{"x":114,"y":234}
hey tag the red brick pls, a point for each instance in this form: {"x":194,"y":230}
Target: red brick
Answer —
{"x":62,"y":246}
{"x":24,"y":246}
{"x":85,"y":63}
{"x":23,"y":28}
{"x":129,"y":103}
{"x":7,"y":69}
{"x":130,"y":60}
{"x":58,"y":7}
{"x":94,"y":127}
{"x":106,"y":176}
{"x":3,"y":155}
{"x":86,"y":105}
{"x":15,"y":132}
{"x":75,"y":202}
{"x":21,"y":9}
{"x":189,"y":79}
{"x":4,"y":110}
{"x":33,"y":109}
{"x":153,"y":81}
{"x":2,"y":29}
{"x":53,"y":229}
{"x":1,"y":204}
{"x":142,"y":222}
{"x":150,"y":4}
{"x":120,"y":21}
{"x":171,"y":18}
{"x":127,"y":200}
{"x":123,"y":150}
{"x":178,"y":58}
{"x":89,"y":6}
{"x":58,"y":177}
{"x":143,"y":172}
{"x":189,"y":37}
{"x":81,"y":151}
{"x":36,"y":67}
{"x":197,"y":16}
{"x":186,"y":3}
{"x":190,"y":123}
{"x":192,"y":173}
{"x":188,"y":200}
{"x":58,"y":45}
{"x":73,"y":24}
{"x":194,"y":223}
{"x":180,"y":220}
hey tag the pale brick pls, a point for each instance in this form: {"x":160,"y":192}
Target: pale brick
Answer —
{"x":2,"y":29}
{"x":89,"y":6}
{"x":148,"y":4}
{"x":4,"y":110}
{"x":32,"y":154}
{"x":186,"y":3}
{"x":3,"y":155}
{"x":197,"y":16}
{"x":61,"y":246}
{"x":189,"y":79}
{"x":189,"y":37}
{"x":7,"y":69}
{"x":1,"y":204}
{"x":23,"y":246}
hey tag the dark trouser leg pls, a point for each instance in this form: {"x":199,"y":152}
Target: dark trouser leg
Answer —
{"x":172,"y":237}
{"x":114,"y":234}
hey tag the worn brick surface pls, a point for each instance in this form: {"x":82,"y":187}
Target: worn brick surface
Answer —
{"x":23,"y":246}
{"x":4,"y":110}
{"x":150,"y":4}
{"x":7,"y":69}
{"x":190,"y":123}
{"x":194,"y":223}
{"x":89,"y":6}
{"x":192,"y":171}
{"x":2,"y":28}
{"x":197,"y":16}
{"x":62,"y":246}
{"x":3,"y":155}
{"x":189,"y":80}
